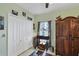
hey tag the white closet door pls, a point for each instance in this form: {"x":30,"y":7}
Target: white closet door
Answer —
{"x":20,"y":44}
{"x":11,"y":37}
{"x":20,"y":33}
{"x":28,"y":34}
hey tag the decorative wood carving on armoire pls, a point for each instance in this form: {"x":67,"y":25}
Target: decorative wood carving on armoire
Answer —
{"x":67,"y":36}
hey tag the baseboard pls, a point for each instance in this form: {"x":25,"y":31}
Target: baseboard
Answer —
{"x":24,"y":51}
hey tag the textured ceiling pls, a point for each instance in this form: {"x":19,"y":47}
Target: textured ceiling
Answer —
{"x":39,"y":8}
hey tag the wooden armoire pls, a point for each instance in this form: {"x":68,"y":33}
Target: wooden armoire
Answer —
{"x":67,"y":36}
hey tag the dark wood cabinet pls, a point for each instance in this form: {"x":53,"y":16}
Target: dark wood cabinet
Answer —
{"x":67,"y":36}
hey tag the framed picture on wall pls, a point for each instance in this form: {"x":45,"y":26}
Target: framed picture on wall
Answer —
{"x":1,"y":23}
{"x":33,"y":26}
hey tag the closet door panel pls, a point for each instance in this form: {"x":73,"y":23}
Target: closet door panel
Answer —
{"x":11,"y":37}
{"x":19,"y":40}
{"x":28,"y":34}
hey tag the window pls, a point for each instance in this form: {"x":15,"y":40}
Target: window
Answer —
{"x":44,"y":28}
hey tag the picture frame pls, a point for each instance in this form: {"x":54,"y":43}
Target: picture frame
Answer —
{"x":1,"y":23}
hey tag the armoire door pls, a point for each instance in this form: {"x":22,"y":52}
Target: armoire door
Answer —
{"x":59,"y":38}
{"x":60,"y":46}
{"x":59,"y":28}
{"x":67,"y":42}
{"x":63,"y":40}
{"x":75,"y":37}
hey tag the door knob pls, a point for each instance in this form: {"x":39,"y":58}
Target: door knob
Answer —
{"x":3,"y":35}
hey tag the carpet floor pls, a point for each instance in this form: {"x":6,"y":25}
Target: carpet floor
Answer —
{"x":39,"y":53}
